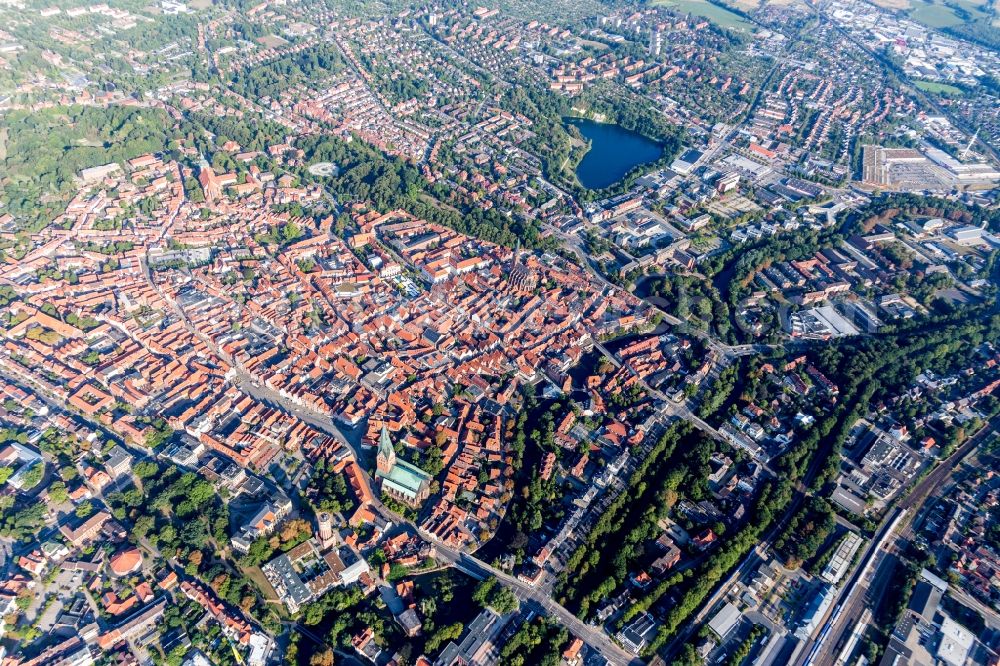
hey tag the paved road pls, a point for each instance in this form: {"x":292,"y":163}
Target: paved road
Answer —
{"x":754,"y":557}
{"x":990,"y":614}
{"x":939,"y":474}
{"x":886,"y":64}
{"x":681,"y":410}
{"x":750,"y":562}
{"x":852,"y":598}
{"x":342,"y":657}
{"x":594,"y":637}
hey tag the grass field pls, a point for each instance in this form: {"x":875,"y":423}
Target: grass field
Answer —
{"x":752,"y":5}
{"x":589,"y":43}
{"x":933,"y":14}
{"x":974,"y":7}
{"x":946,"y":13}
{"x":938,"y":88}
{"x":272,"y":41}
{"x":892,"y":4}
{"x":714,"y":13}
{"x":270,"y":596}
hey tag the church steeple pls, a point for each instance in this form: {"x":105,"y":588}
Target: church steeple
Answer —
{"x":209,"y":181}
{"x":386,"y":458}
{"x":521,"y":276}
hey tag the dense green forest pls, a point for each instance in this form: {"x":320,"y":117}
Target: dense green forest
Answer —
{"x":867,"y":369}
{"x":389,"y":183}
{"x":44,"y":151}
{"x":269,"y":79}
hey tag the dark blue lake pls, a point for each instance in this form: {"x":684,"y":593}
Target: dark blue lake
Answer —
{"x":614,"y":151}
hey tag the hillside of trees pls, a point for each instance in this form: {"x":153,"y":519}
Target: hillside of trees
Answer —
{"x":45,"y":150}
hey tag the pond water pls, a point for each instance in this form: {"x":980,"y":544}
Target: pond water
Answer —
{"x":614,"y":151}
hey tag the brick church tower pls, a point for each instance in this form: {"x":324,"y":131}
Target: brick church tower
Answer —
{"x":386,"y":458}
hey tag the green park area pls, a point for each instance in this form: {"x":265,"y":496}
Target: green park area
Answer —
{"x":713,"y":12}
{"x":938,"y":88}
{"x":941,"y":14}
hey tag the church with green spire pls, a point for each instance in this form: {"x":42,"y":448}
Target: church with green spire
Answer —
{"x":399,"y":479}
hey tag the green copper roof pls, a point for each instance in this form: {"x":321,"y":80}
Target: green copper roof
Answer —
{"x":385,"y":448}
{"x":405,"y":478}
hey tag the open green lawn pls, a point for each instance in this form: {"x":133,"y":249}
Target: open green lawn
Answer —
{"x":713,"y":13}
{"x":975,"y":7}
{"x":978,"y":10}
{"x":934,"y":14}
{"x":270,"y":596}
{"x":938,"y":88}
